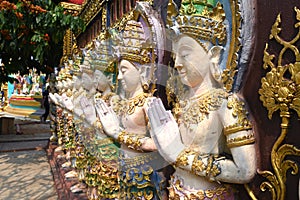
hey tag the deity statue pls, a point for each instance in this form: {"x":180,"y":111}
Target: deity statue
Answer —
{"x":208,"y":137}
{"x":126,"y":121}
{"x":101,"y":152}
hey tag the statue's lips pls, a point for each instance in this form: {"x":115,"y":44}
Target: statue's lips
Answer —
{"x":123,"y":83}
{"x":182,"y":74}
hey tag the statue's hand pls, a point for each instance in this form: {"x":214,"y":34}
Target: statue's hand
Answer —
{"x":88,"y":110}
{"x":68,"y":103}
{"x":53,"y":98}
{"x":164,"y":131}
{"x":108,"y":118}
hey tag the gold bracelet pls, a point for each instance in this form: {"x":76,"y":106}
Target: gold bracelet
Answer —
{"x":134,"y":142}
{"x":97,"y":124}
{"x":182,"y":159}
{"x":121,"y":136}
{"x":198,"y":166}
{"x":212,"y":167}
{"x":209,"y":165}
{"x":131,"y":140}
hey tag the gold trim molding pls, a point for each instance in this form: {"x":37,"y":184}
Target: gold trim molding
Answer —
{"x":280,"y":90}
{"x":73,"y":8}
{"x":232,"y":61}
{"x":91,"y":9}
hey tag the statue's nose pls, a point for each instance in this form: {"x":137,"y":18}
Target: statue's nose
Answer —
{"x":178,"y":66}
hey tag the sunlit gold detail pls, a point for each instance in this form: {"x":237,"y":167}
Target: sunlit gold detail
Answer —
{"x":240,"y":141}
{"x":131,"y":140}
{"x":240,"y":112}
{"x":91,"y":9}
{"x":280,"y":90}
{"x":200,"y":106}
{"x":206,"y":164}
{"x":177,"y":192}
{"x":71,"y":8}
{"x":212,"y":169}
{"x":67,"y":48}
{"x":104,"y":18}
{"x":182,"y":159}
{"x":128,"y":106}
{"x":207,"y":25}
{"x":138,"y":160}
{"x":198,"y":165}
{"x":231,"y":66}
{"x":138,"y":101}
{"x":133,"y":45}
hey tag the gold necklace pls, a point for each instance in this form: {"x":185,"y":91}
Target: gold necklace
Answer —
{"x":128,"y":105}
{"x":197,"y":108}
{"x":138,"y":100}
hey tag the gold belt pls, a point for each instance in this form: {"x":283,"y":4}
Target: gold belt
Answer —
{"x":177,"y":192}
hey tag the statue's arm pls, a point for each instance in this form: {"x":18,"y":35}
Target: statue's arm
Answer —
{"x":240,"y":167}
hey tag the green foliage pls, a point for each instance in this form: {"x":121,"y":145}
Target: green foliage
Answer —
{"x":32,"y":35}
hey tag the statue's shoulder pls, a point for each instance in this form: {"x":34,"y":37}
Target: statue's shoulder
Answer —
{"x":235,"y":117}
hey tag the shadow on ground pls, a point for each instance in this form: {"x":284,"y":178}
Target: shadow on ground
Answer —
{"x":26,"y":175}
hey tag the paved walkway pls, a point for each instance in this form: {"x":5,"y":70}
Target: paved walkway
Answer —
{"x":25,"y":173}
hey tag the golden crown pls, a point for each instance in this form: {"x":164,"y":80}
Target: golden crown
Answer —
{"x":133,"y":45}
{"x":86,"y":65}
{"x":101,"y":55}
{"x":199,"y":19}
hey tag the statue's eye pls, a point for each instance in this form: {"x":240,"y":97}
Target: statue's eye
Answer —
{"x":185,"y":55}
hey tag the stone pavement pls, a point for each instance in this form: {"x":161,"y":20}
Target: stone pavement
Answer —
{"x":25,"y":172}
{"x":26,"y":175}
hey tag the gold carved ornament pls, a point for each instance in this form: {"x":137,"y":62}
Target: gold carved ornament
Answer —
{"x":242,"y":123}
{"x":280,"y":90}
{"x":131,"y":140}
{"x":203,"y":164}
{"x":177,"y":192}
{"x":201,"y":106}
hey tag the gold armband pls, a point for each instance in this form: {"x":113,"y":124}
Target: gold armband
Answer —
{"x":240,"y":141}
{"x":239,"y":112}
{"x":132,"y":141}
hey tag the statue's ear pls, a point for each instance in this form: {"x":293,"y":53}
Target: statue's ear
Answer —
{"x":215,"y":54}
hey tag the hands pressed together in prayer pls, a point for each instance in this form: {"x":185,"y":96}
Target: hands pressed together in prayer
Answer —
{"x":164,"y":131}
{"x":108,"y":118}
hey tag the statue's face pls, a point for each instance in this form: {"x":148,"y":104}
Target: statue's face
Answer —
{"x":129,"y":76}
{"x":77,"y":82}
{"x":191,"y":61}
{"x":59,"y":85}
{"x":87,"y":82}
{"x":101,"y":81}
